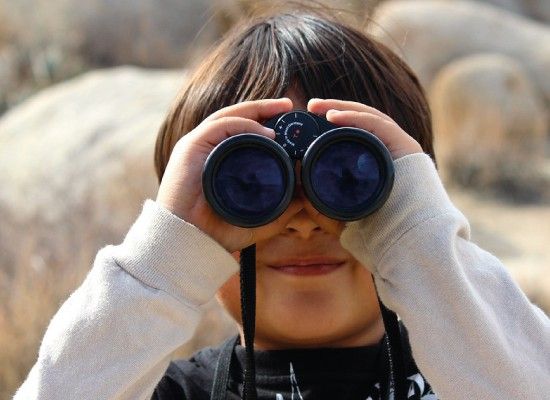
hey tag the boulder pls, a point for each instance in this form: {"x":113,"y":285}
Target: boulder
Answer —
{"x":429,"y":34}
{"x":536,"y":9}
{"x":44,"y":42}
{"x":490,"y":126}
{"x":153,"y":33}
{"x":85,"y":145}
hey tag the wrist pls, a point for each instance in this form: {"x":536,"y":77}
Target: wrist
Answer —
{"x":417,"y":196}
{"x":169,"y":254}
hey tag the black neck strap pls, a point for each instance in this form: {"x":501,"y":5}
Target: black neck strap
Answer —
{"x":396,"y":365}
{"x":248,"y":315}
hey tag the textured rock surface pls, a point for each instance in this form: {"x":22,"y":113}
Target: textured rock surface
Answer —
{"x":84,"y":144}
{"x":536,"y":9}
{"x":490,"y":124}
{"x":154,"y":33}
{"x":431,"y":33}
{"x":47,"y":41}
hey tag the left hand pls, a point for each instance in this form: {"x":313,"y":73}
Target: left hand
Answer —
{"x":350,"y":113}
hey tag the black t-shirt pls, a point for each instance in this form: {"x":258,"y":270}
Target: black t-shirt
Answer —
{"x":332,"y":373}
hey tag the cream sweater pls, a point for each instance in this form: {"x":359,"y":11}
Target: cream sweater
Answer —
{"x":474,"y":334}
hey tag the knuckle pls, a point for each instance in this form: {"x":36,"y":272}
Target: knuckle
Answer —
{"x":215,"y":115}
{"x":208,"y":125}
{"x":377,"y":119}
{"x":224,"y":121}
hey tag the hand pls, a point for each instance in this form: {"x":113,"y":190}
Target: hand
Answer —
{"x":181,"y":188}
{"x":350,"y":113}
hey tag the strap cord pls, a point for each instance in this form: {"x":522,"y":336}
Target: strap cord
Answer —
{"x":397,"y":372}
{"x":248,"y":312}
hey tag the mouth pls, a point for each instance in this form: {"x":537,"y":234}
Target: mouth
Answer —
{"x":308,"y":266}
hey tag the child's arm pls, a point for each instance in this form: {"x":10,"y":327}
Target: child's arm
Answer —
{"x":112,"y":339}
{"x":474,"y":334}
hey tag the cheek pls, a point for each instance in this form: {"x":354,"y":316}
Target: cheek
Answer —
{"x":229,"y":296}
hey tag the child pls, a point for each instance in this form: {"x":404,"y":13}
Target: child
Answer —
{"x":319,"y":333}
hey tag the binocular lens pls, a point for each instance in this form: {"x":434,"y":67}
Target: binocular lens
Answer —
{"x":246,"y":179}
{"x":345,"y":175}
{"x":250,"y":181}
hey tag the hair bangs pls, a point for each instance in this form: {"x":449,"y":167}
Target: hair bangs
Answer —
{"x":314,"y":56}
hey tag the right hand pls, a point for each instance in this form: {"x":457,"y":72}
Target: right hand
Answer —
{"x":180,"y":190}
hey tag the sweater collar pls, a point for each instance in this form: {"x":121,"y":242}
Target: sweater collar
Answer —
{"x":318,"y":363}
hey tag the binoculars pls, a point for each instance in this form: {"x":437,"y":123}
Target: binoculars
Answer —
{"x":346,"y":173}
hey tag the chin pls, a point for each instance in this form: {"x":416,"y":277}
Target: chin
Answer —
{"x":282,"y":343}
{"x":319,"y":338}
{"x":312,"y":313}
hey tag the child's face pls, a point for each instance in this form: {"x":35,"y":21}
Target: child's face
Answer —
{"x":311,"y":292}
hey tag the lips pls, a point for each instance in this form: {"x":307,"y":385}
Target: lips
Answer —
{"x":308,"y":266}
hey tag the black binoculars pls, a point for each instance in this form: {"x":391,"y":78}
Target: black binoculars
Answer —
{"x":346,"y":173}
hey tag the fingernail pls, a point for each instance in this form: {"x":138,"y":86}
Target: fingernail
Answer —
{"x":269,"y":131}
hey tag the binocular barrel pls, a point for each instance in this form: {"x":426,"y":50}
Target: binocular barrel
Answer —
{"x":346,"y":173}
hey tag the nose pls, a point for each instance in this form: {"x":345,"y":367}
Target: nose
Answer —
{"x":301,"y":224}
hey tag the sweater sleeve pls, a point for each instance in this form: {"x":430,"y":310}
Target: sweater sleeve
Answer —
{"x":473,"y":332}
{"x":113,"y":337}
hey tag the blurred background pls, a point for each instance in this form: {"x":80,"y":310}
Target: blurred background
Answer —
{"x":84,"y":87}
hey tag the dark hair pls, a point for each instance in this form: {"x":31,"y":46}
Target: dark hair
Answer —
{"x":311,"y":53}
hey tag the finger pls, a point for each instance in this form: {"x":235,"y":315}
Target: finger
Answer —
{"x":214,"y":132}
{"x":257,"y":110}
{"x":386,"y":131}
{"x":321,"y":106}
{"x":396,"y":140}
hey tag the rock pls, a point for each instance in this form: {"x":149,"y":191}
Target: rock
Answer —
{"x":154,"y":33}
{"x":536,"y":9}
{"x":429,"y":34}
{"x":51,"y":41}
{"x":86,"y":144}
{"x":490,"y":126}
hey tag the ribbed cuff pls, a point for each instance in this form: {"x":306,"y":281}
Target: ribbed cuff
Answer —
{"x":169,"y":254}
{"x":417,"y":196}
